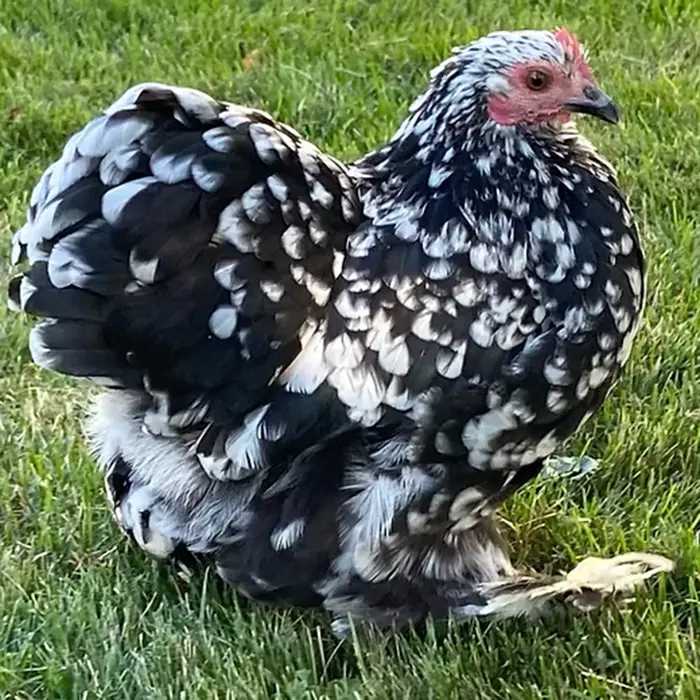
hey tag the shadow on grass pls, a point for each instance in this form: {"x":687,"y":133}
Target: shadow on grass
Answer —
{"x":211,"y":602}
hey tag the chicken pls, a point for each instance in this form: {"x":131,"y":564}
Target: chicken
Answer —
{"x":320,"y":378}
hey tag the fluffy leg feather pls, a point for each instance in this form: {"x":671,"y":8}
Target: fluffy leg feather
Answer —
{"x":585,"y":587}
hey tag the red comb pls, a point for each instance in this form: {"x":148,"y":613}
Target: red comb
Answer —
{"x":570,"y":43}
{"x":573,"y":50}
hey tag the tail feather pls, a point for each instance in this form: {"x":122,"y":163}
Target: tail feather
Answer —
{"x":77,"y":348}
{"x":34,"y":293}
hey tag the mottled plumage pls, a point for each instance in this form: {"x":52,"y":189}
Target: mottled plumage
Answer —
{"x":324,"y":378}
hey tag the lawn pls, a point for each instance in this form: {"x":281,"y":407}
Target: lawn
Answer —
{"x":85,"y":615}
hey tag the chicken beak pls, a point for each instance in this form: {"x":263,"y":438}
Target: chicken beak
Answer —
{"x":596,"y":103}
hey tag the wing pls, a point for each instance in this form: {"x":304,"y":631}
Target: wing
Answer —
{"x":498,"y":333}
{"x":186,"y":247}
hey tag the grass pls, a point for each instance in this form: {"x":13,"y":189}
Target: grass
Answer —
{"x":84,"y":615}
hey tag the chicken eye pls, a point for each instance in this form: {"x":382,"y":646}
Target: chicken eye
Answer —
{"x":538,"y":79}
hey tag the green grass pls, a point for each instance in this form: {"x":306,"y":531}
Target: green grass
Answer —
{"x":84,"y":615}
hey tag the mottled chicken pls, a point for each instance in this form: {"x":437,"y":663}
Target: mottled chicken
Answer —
{"x":322,"y":379}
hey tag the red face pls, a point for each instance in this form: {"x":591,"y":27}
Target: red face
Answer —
{"x":549,"y":91}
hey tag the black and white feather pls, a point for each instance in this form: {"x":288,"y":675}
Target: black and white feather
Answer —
{"x":324,"y":378}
